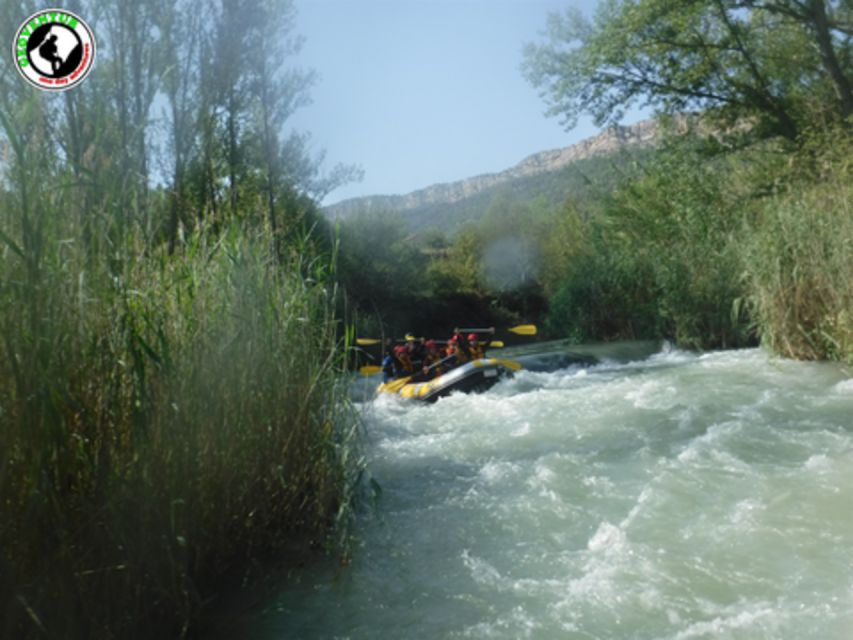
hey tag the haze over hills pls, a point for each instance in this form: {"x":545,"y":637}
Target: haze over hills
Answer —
{"x":555,"y":175}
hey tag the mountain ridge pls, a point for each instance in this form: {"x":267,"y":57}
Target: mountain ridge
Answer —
{"x":611,"y":140}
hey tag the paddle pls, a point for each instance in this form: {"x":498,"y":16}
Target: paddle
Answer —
{"x":370,"y":369}
{"x":367,"y":342}
{"x":399,"y":383}
{"x":522,"y":330}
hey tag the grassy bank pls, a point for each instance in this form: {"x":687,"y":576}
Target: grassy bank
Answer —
{"x":163,"y":423}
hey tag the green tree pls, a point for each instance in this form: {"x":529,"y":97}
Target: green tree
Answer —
{"x":771,"y":62}
{"x":378,"y":262}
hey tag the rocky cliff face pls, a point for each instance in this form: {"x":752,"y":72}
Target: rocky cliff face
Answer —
{"x":611,"y":140}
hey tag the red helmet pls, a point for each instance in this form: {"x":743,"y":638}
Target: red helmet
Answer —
{"x":454,"y":339}
{"x":472,"y":337}
{"x":399,"y":349}
{"x":430,"y":344}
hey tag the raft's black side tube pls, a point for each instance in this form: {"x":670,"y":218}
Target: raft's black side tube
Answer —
{"x":478,"y":379}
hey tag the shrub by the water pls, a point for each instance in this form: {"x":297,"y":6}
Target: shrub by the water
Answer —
{"x":660,"y":260}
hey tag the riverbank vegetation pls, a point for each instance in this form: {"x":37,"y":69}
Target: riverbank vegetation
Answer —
{"x":170,"y":400}
{"x":765,"y":213}
{"x":736,"y":229}
{"x":706,"y":244}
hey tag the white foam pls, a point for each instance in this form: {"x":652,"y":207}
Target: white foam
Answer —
{"x":666,"y":493}
{"x":608,"y":537}
{"x":482,"y":572}
{"x":523,"y":430}
{"x":844,"y":387}
{"x":818,"y":462}
{"x":745,"y":512}
{"x":755,"y":620}
{"x":653,"y":394}
{"x":495,"y":471}
{"x":516,"y":623}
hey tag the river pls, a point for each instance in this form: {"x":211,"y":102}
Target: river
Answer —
{"x":678,"y":495}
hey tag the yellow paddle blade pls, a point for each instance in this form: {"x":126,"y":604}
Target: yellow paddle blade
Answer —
{"x":369,"y":370}
{"x":510,"y":364}
{"x":497,"y":344}
{"x":524,"y":329}
{"x":366,"y":342}
{"x":395,"y":385}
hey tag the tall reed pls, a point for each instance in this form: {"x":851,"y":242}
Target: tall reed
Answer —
{"x":163,"y":420}
{"x":798,"y":257}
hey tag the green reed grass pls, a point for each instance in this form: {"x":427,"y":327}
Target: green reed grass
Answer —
{"x":799,"y":258}
{"x":161,"y":424}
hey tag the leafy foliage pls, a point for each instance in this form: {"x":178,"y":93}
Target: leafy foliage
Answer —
{"x":778,"y":64}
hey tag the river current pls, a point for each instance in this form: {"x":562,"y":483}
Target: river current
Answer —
{"x":675,"y":496}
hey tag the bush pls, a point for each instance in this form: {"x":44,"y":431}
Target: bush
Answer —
{"x":661,"y":259}
{"x":603,"y":298}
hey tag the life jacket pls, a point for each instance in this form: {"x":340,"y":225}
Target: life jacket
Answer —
{"x":476,"y":348}
{"x":461,"y":353}
{"x":405,"y":362}
{"x":431,"y":360}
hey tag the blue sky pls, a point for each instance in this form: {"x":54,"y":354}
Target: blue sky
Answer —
{"x":418,"y":92}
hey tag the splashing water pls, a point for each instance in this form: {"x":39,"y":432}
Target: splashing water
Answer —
{"x":681,"y":496}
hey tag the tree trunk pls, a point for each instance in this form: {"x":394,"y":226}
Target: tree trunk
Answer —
{"x":823,"y":35}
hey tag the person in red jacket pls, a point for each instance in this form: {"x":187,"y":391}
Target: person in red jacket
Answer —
{"x":457,"y":347}
{"x":402,"y":356}
{"x":476,"y":349}
{"x":432,"y":366}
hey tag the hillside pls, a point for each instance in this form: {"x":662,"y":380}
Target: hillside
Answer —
{"x":555,"y":175}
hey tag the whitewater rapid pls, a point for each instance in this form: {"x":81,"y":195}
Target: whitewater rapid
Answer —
{"x":678,"y":496}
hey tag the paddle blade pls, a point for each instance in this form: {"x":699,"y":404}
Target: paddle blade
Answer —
{"x":496,"y":344}
{"x":524,"y":330}
{"x":511,"y":364}
{"x":395,"y":385}
{"x":366,"y":342}
{"x":369,"y":370}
